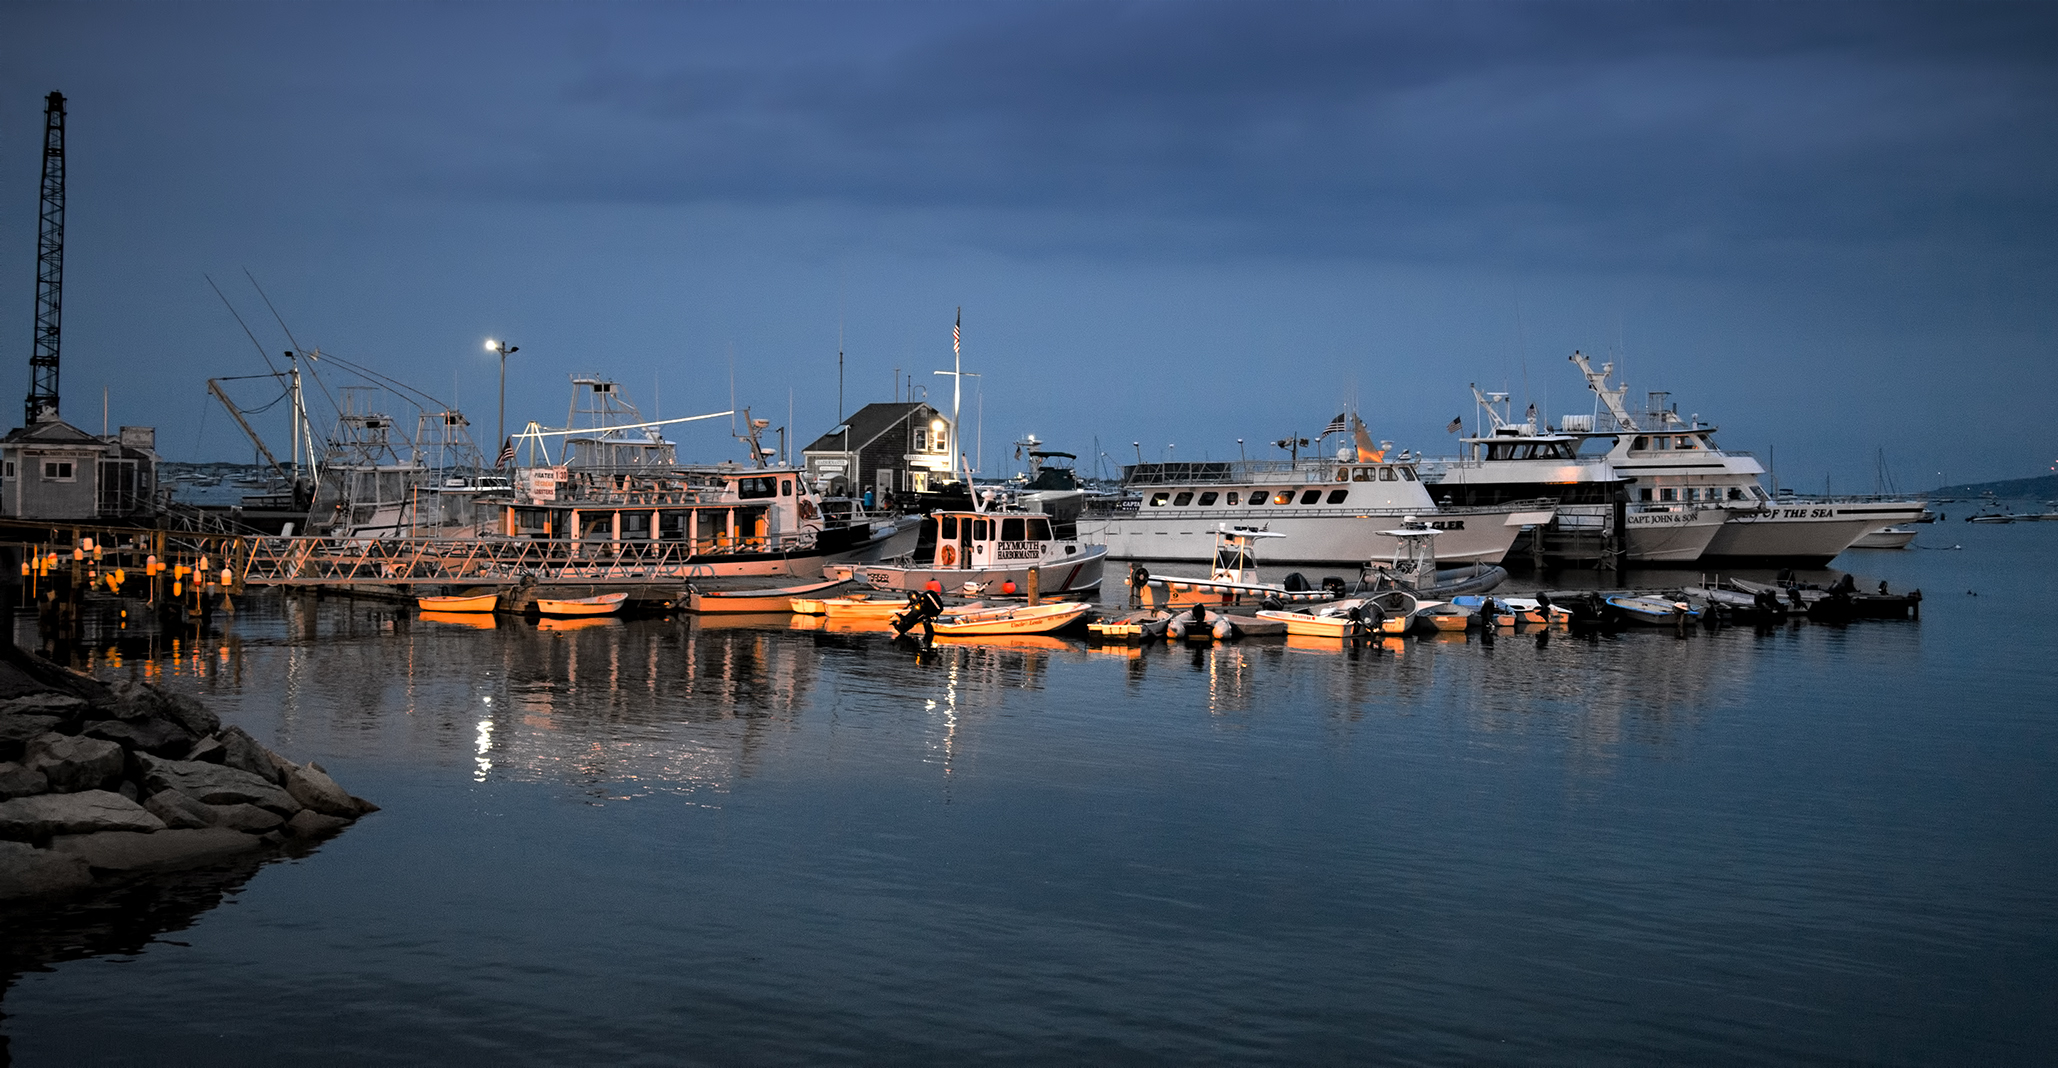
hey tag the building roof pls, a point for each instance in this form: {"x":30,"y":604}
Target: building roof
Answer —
{"x":866,"y":424}
{"x":53,"y":432}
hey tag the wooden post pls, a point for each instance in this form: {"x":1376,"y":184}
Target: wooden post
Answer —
{"x":1035,"y":574}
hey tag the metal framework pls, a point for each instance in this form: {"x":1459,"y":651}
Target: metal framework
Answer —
{"x":42,"y":400}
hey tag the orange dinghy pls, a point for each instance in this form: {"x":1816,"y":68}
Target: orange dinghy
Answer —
{"x":480,"y":603}
{"x":606,"y":604}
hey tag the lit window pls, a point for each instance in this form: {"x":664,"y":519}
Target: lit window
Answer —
{"x":1283,"y":497}
{"x":1157,"y":500}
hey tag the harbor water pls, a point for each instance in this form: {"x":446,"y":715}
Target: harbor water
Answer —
{"x":680,"y":841}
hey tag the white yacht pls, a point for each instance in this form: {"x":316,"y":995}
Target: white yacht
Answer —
{"x":1508,"y":461}
{"x":1332,"y":511}
{"x":1676,"y":461}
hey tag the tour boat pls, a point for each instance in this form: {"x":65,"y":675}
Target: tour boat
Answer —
{"x":1012,"y":619}
{"x":1329,"y":509}
{"x":482,"y":602}
{"x":605,"y":604}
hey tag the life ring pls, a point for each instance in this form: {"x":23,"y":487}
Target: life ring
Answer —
{"x":949,"y":556}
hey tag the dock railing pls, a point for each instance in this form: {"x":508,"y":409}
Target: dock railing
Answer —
{"x":336,"y":561}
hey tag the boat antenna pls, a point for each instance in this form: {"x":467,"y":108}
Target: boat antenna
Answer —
{"x":274,"y":311}
{"x":246,"y":326}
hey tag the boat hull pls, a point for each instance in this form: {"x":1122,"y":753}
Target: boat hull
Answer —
{"x":1019,"y":619}
{"x":1802,"y":533}
{"x":483,"y":602}
{"x":1077,"y":573}
{"x":606,"y":604}
{"x":1886,"y":538}
{"x":757,"y":601}
{"x":1314,"y":536}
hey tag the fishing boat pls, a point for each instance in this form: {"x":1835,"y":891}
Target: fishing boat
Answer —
{"x":481,"y":602}
{"x":1233,"y":580}
{"x":1170,"y":511}
{"x":1413,"y":567}
{"x":752,"y":601}
{"x":605,"y":604}
{"x":1675,"y":460}
{"x":1043,"y":618}
{"x":1507,"y":461}
{"x":986,"y":552}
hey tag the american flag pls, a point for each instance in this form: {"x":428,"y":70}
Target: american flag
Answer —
{"x":1456,"y":425}
{"x":956,"y":336}
{"x":506,"y":454}
{"x":1336,"y":425}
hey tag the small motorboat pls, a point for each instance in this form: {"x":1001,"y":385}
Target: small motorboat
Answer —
{"x":1655,"y":611}
{"x":1511,"y":611}
{"x":605,"y":604}
{"x":1449,"y":617}
{"x":482,"y":602}
{"x":1392,"y":612}
{"x":1012,"y":619}
{"x":757,"y":601}
{"x":884,"y":609}
{"x":1414,"y":569}
{"x":1131,"y":628}
{"x":1886,"y":538}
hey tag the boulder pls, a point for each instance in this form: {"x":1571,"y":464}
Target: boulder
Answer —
{"x":312,"y":824}
{"x":364,"y":808}
{"x":18,"y":781}
{"x":240,"y":750}
{"x":127,"y":851}
{"x":16,"y":728}
{"x":89,"y":811}
{"x":179,"y":811}
{"x":150,"y":734}
{"x":26,"y":871}
{"x":246,"y":818}
{"x":188,"y":712}
{"x":61,"y":705}
{"x":72,"y":764}
{"x":311,"y":786}
{"x":207,"y":751}
{"x":215,"y":784}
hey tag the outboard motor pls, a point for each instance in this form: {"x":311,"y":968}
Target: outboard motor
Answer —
{"x":1332,"y":585}
{"x":1295,"y":582}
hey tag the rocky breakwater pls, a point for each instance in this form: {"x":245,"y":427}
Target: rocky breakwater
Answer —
{"x":102,"y":785}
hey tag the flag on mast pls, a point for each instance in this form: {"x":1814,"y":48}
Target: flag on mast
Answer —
{"x":507,"y":453}
{"x":1336,"y":425}
{"x":957,"y":335}
{"x":1456,"y":425}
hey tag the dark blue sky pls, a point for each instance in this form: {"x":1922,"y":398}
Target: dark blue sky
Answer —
{"x":1827,"y":227}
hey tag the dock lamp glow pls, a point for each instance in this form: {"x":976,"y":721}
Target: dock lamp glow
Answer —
{"x":503,"y":348}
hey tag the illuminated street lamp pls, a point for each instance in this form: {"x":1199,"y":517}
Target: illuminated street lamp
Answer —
{"x":503,"y":348}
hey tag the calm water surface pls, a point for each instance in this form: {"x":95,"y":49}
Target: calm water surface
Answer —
{"x":659,"y":841}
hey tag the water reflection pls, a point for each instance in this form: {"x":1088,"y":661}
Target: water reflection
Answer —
{"x":624,"y":707}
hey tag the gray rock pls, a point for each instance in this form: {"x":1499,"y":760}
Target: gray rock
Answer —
{"x":240,"y":750}
{"x":179,"y":811}
{"x":151,"y":734}
{"x":246,"y":818}
{"x":312,"y":824}
{"x":26,"y":871}
{"x":119,"y":851}
{"x":207,"y":751}
{"x":61,"y":705}
{"x":311,"y":786}
{"x":17,"y":728}
{"x":128,"y":789}
{"x":73,"y":764}
{"x":188,"y":712}
{"x":215,"y":784}
{"x":26,"y":818}
{"x":18,"y":781}
{"x":364,"y":808}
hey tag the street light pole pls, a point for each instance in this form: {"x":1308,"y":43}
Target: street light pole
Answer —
{"x":503,"y":348}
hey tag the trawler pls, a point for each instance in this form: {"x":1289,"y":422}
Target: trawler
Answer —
{"x":1676,"y":461}
{"x":1513,"y":461}
{"x":987,"y":552}
{"x":1333,"y":511}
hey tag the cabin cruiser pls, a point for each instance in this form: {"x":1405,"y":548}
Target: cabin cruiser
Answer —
{"x":1519,"y":461}
{"x":1676,"y":461}
{"x":1333,"y":511}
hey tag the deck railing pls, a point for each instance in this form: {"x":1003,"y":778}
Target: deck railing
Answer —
{"x":329,"y":561}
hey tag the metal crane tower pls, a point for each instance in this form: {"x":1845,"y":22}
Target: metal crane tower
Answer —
{"x":42,"y":402}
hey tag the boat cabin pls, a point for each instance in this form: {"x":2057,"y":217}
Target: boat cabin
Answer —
{"x":746,"y":510}
{"x":981,"y":540}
